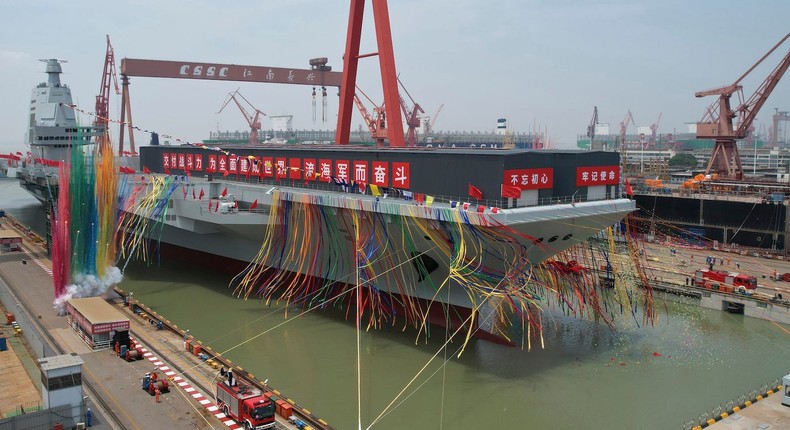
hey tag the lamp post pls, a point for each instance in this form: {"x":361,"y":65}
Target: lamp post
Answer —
{"x":186,"y":335}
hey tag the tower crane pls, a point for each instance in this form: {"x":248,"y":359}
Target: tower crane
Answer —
{"x":718,"y":120}
{"x":591,"y":127}
{"x":102,"y":119}
{"x":253,"y":120}
{"x":376,"y":123}
{"x":629,"y":118}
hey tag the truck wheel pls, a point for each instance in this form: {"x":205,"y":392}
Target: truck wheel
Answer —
{"x":225,"y":411}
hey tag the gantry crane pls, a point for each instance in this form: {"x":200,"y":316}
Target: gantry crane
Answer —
{"x":102,"y":119}
{"x":377,"y":123}
{"x":254,"y":121}
{"x":773,"y":133}
{"x":591,"y":127}
{"x":718,"y":120}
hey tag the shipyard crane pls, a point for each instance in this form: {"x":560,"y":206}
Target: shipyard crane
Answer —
{"x":376,"y":123}
{"x":432,"y":123}
{"x":253,"y":120}
{"x":654,"y":129}
{"x":773,"y":135}
{"x":629,"y":119}
{"x":591,"y":127}
{"x":102,"y":119}
{"x":412,"y":118}
{"x":718,"y":120}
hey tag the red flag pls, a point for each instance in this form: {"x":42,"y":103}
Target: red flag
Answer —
{"x":224,"y":192}
{"x":225,"y":173}
{"x":216,"y":208}
{"x":254,"y":204}
{"x":511,"y":191}
{"x":419,"y":197}
{"x":628,"y":190}
{"x":145,"y":170}
{"x":200,"y":196}
{"x":475,"y":192}
{"x":193,"y":194}
{"x":184,"y":189}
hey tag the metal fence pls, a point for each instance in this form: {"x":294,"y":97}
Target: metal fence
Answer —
{"x":742,"y":401}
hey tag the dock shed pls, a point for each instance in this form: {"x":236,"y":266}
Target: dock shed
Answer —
{"x":10,"y":241}
{"x":96,"y":321}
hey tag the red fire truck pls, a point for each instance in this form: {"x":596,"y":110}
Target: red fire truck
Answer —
{"x":705,"y":277}
{"x":245,"y":404}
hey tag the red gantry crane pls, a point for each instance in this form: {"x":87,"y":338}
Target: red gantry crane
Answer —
{"x":718,"y":120}
{"x":102,"y":119}
{"x":253,"y":120}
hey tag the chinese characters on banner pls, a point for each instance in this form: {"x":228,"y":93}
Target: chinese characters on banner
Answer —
{"x":530,"y":179}
{"x":380,"y":173}
{"x":591,"y":176}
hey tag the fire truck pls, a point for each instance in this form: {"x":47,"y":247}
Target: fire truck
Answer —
{"x":705,"y":277}
{"x":246,"y":405}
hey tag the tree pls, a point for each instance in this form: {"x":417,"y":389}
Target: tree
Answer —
{"x":683,"y":160}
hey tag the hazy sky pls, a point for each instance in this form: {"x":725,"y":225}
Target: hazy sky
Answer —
{"x":533,"y":62}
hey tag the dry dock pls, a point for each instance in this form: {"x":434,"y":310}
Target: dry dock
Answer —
{"x":113,"y":386}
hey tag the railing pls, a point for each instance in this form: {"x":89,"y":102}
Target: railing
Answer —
{"x":397,"y":195}
{"x":730,"y":407}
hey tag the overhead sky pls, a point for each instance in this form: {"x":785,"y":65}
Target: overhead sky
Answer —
{"x":537,"y":63}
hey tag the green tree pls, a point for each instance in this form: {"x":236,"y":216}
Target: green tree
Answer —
{"x":683,"y":160}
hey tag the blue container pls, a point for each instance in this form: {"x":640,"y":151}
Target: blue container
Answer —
{"x":123,"y":351}
{"x":3,"y":344}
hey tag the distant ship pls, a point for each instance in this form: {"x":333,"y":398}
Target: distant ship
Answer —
{"x":52,"y":131}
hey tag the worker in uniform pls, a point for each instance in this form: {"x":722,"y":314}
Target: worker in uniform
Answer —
{"x":154,"y":377}
{"x":117,"y":349}
{"x":156,"y":395}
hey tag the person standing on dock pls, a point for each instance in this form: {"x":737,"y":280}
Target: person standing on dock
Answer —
{"x":156,"y":395}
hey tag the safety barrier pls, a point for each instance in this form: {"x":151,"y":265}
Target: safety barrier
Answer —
{"x":724,"y":410}
{"x":216,"y":360}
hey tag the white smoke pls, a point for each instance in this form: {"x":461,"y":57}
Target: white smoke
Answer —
{"x":88,"y":286}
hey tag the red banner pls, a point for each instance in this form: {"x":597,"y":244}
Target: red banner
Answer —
{"x":530,"y":179}
{"x":380,"y":174}
{"x":401,"y":177}
{"x":591,"y":176}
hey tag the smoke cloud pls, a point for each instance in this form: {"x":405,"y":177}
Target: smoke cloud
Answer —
{"x":88,"y":286}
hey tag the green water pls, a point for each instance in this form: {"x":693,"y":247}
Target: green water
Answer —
{"x":587,"y":377}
